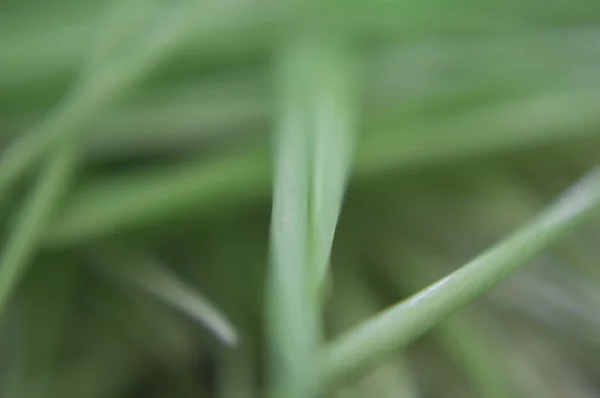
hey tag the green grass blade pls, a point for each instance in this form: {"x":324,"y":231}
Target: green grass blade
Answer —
{"x":149,"y":275}
{"x":202,"y":185}
{"x":353,"y":302}
{"x":127,"y":20}
{"x":334,"y":110}
{"x":58,"y":128}
{"x":35,"y":215}
{"x":497,"y":128}
{"x":89,"y":98}
{"x":130,"y":200}
{"x":251,"y":27}
{"x":371,"y":343}
{"x":458,"y":337}
{"x":293,"y":315}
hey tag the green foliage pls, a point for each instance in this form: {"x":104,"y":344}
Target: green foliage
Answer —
{"x":142,"y":255}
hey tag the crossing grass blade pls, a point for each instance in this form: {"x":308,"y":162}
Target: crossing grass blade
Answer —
{"x":20,"y":248}
{"x":353,"y":303}
{"x":95,"y":92}
{"x":458,"y":336}
{"x":169,"y":105}
{"x":59,"y":128}
{"x":367,"y":345}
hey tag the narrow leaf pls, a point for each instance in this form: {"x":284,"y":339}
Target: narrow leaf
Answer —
{"x":371,"y":343}
{"x":334,"y":109}
{"x":35,"y":216}
{"x":294,"y":316}
{"x":149,"y":275}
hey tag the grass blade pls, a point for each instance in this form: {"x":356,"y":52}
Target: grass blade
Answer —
{"x":293,"y":317}
{"x":34,"y":217}
{"x":458,"y":337}
{"x":95,"y":92}
{"x":353,"y":303}
{"x":370,"y":343}
{"x":334,"y":110}
{"x":60,"y":127}
{"x":151,"y":276}
{"x":110,"y":205}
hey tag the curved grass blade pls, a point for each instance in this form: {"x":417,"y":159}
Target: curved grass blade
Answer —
{"x":371,"y":343}
{"x":149,"y":275}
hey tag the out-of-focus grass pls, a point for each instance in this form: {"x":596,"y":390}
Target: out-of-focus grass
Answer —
{"x":142,"y":142}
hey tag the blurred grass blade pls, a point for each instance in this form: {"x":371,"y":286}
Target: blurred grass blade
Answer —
{"x":33,"y":219}
{"x":294,"y":316}
{"x":354,"y":302}
{"x":127,"y":20}
{"x":458,"y":336}
{"x":473,"y":355}
{"x":334,"y":112}
{"x":96,"y":91}
{"x":130,"y":200}
{"x":371,"y":343}
{"x":52,"y":183}
{"x":508,"y":125}
{"x":253,"y":26}
{"x":202,"y":185}
{"x":149,"y":275}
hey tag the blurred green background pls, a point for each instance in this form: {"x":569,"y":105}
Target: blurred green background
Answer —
{"x":145,"y":143}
